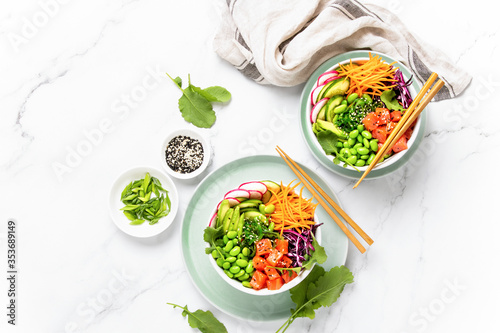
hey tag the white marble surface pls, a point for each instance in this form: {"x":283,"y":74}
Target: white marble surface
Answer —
{"x":433,"y":267}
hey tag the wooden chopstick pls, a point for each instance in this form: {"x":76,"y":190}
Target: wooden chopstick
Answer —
{"x":405,"y":121}
{"x":415,"y":114}
{"x":300,"y":173}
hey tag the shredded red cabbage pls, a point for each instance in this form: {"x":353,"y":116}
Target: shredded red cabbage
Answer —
{"x":401,"y":89}
{"x":299,"y":244}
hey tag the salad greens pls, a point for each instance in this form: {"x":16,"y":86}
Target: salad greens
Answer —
{"x":195,"y":103}
{"x":202,"y":320}
{"x":145,"y":200}
{"x":390,"y":100}
{"x":319,"y":288}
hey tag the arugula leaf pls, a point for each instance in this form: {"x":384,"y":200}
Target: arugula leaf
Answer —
{"x":318,"y":255}
{"x":328,"y":141}
{"x":211,"y":234}
{"x":202,"y":320}
{"x":390,"y":101}
{"x":195,"y":103}
{"x":318,"y":289}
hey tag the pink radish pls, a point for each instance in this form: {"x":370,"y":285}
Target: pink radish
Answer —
{"x":316,"y":108}
{"x":254,"y":186}
{"x":315,"y":93}
{"x":232,"y":202}
{"x":326,"y":76}
{"x":255,"y":195}
{"x":213,"y":220}
{"x":332,"y":79}
{"x":238,"y":193}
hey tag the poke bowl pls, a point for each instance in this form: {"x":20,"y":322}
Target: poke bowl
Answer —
{"x":349,"y":107}
{"x":255,"y":245}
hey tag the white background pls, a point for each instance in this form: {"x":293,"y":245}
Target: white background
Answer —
{"x":434,"y":264}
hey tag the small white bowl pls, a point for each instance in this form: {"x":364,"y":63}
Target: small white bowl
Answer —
{"x":264,"y":292}
{"x":207,"y":153}
{"x":144,"y":230}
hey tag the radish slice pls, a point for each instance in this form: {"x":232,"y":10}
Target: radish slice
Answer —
{"x":326,"y":76}
{"x":232,"y":202}
{"x":213,"y":220}
{"x":238,"y":193}
{"x":315,"y":110}
{"x":255,"y":195}
{"x":315,"y":93}
{"x":332,"y":79}
{"x":254,"y":186}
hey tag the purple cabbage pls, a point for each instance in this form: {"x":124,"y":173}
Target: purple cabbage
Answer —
{"x":299,"y":244}
{"x":401,"y":89}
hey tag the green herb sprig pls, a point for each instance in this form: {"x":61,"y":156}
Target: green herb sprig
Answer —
{"x":195,"y":103}
{"x":202,"y":320}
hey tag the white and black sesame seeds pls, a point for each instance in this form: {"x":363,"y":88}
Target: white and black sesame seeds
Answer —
{"x":184,"y":154}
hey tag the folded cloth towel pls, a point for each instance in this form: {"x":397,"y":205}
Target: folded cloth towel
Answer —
{"x":282,"y":42}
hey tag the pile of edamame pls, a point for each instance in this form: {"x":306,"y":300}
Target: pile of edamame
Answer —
{"x":360,"y":148}
{"x":234,"y":260}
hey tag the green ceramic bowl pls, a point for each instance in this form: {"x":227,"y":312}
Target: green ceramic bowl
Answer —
{"x":387,"y":166}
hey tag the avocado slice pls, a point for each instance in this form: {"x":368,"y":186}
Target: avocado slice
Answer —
{"x":332,"y":104}
{"x":331,"y":127}
{"x":338,"y":87}
{"x":227,"y":220}
{"x":224,"y":207}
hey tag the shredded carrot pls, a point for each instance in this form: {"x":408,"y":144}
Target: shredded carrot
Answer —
{"x":371,"y":76}
{"x":292,"y":211}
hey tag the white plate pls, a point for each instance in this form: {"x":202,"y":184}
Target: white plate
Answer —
{"x":144,"y":230}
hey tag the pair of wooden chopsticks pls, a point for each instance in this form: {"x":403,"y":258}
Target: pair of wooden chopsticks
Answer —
{"x":408,"y":118}
{"x":303,"y":176}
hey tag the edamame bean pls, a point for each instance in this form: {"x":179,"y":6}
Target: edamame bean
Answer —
{"x":362,"y":151}
{"x":225,"y":239}
{"x":364,"y":157}
{"x":340,"y":109}
{"x":234,"y":269}
{"x":228,"y":246}
{"x":215,"y":254}
{"x":230,"y":259}
{"x":345,"y":144}
{"x":354,"y":134}
{"x":360,"y":128}
{"x":359,"y":144}
{"x":366,"y":143}
{"x":246,"y":251}
{"x":246,"y":284}
{"x":360,"y":102}
{"x":352,"y":159}
{"x":220,"y":262}
{"x":228,"y":273}
{"x":271,"y":226}
{"x":344,"y":102}
{"x":244,"y":277}
{"x":359,"y":138}
{"x":232,"y":234}
{"x":374,"y":145}
{"x":370,"y":159}
{"x":339,"y":144}
{"x":269,"y":209}
{"x":366,"y":134}
{"x":367,"y":98}
{"x":241,"y":256}
{"x":235,"y":251}
{"x":261,"y":208}
{"x":249,"y":268}
{"x":352,"y":97}
{"x":351,"y":142}
{"x":226,"y":265}
{"x":240,"y":273}
{"x":360,"y":163}
{"x":353,"y":151}
{"x":242,"y":263}
{"x":344,"y":151}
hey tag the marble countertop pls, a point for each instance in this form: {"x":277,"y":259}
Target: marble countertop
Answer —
{"x":85,"y":88}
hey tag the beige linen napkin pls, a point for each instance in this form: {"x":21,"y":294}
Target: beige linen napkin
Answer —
{"x":282,"y":42}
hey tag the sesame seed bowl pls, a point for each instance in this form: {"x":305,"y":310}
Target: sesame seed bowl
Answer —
{"x":185,"y":154}
{"x":388,"y":165}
